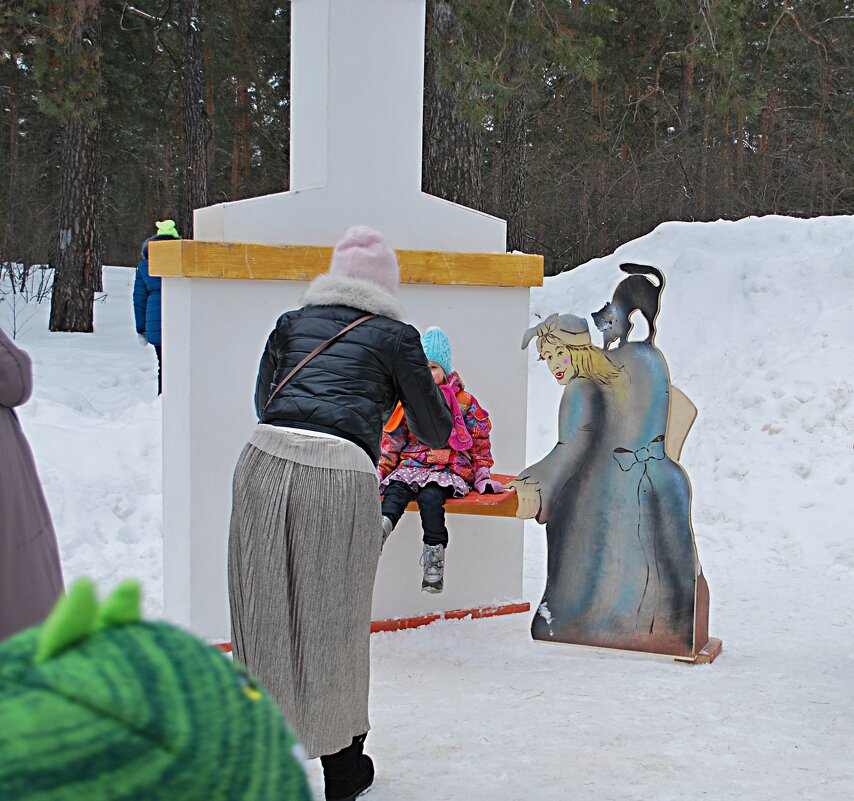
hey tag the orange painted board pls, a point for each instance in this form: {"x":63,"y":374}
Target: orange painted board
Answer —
{"x":401,"y":623}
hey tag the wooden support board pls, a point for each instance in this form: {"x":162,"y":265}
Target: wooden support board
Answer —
{"x":706,"y":655}
{"x":682,"y":415}
{"x":713,"y":646}
{"x":188,"y":258}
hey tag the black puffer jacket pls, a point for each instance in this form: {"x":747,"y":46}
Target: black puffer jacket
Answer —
{"x":352,"y":387}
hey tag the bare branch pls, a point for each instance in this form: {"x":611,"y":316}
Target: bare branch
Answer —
{"x":143,"y":14}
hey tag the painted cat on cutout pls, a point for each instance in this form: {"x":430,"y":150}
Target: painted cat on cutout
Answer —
{"x":635,"y":293}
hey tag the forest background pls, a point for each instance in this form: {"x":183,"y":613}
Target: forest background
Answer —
{"x":583,"y":123}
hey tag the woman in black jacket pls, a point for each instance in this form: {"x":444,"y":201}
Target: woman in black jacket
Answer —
{"x":306,"y":528}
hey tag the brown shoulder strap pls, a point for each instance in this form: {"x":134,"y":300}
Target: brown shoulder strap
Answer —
{"x":314,"y":353}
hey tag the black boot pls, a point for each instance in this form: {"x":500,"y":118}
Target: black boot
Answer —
{"x":347,"y":773}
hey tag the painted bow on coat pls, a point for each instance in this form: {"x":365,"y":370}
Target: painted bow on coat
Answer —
{"x":628,"y":459}
{"x":652,"y":452}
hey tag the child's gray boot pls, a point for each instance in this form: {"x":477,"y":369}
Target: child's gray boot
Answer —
{"x":388,"y":527}
{"x":433,"y":561}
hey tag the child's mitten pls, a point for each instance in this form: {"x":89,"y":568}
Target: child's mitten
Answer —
{"x":483,"y":482}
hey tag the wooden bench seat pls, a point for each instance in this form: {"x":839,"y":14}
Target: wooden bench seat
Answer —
{"x":503,"y":505}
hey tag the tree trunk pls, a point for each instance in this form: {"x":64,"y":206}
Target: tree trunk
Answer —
{"x":452,"y":150}
{"x":209,"y":112}
{"x":12,"y":188}
{"x":79,"y":251}
{"x":78,"y":260}
{"x":601,"y":206}
{"x":240,"y":161}
{"x":150,"y":213}
{"x":779,"y":204}
{"x":195,"y":115}
{"x":765,"y":147}
{"x":514,"y":140}
{"x":724,"y":166}
{"x":167,"y":201}
{"x":686,"y":89}
{"x":739,"y":146}
{"x":235,"y":141}
{"x":584,"y":217}
{"x":813,"y":183}
{"x":704,"y":156}
{"x":181,"y":176}
{"x":286,"y":78}
{"x":245,"y":159}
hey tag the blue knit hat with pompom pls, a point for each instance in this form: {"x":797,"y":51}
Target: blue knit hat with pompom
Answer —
{"x":437,"y":347}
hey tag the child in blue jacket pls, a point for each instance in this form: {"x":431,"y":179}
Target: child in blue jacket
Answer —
{"x":146,"y":298}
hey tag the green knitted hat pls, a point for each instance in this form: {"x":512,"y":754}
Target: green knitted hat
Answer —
{"x":167,"y":228}
{"x":96,"y":704}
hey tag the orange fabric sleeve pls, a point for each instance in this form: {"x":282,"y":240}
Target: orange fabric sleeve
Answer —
{"x":395,"y":420}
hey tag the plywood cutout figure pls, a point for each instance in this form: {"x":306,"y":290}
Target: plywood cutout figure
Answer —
{"x":623,"y":570}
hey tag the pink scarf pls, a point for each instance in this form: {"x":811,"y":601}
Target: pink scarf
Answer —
{"x":460,"y":439}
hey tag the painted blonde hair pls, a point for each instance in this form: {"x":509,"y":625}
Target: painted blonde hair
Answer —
{"x":587,"y":361}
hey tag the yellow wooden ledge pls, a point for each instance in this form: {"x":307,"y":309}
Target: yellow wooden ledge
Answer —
{"x":188,"y":258}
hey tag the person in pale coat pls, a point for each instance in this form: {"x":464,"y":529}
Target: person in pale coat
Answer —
{"x":30,"y":572}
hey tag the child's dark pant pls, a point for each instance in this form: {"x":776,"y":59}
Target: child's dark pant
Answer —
{"x":158,"y":349}
{"x":431,"y":503}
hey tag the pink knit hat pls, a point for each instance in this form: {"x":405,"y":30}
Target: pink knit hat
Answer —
{"x":363,"y":254}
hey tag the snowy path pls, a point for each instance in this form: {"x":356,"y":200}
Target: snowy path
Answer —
{"x":756,"y":327}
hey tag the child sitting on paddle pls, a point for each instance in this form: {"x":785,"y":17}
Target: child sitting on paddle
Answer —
{"x":412,"y":471}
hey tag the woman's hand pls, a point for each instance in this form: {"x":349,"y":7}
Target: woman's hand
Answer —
{"x":528,"y":492}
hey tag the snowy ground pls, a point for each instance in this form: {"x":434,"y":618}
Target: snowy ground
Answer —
{"x":755,"y":325}
{"x":94,"y":426}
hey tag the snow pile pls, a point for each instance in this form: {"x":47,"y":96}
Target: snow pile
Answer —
{"x":755,"y":327}
{"x":752,"y":325}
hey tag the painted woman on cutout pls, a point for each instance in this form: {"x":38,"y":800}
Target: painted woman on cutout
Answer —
{"x":622,"y":566}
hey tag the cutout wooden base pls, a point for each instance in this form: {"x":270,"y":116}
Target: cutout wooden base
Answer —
{"x":706,"y":655}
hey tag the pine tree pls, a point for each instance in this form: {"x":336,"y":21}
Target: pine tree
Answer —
{"x":584,"y":124}
{"x":195,"y":116}
{"x":70,"y":78}
{"x":453,"y":149}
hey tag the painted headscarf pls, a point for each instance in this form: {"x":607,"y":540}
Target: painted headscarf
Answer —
{"x":566,"y":328}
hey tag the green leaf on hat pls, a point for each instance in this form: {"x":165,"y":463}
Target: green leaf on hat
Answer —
{"x":72,"y":619}
{"x":122,"y":608}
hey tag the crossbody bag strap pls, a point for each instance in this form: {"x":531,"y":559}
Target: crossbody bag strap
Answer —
{"x":323,"y":346}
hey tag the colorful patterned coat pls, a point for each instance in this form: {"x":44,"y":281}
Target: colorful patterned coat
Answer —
{"x":401,"y":449}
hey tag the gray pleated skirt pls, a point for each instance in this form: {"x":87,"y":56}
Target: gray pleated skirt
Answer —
{"x":302,"y":556}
